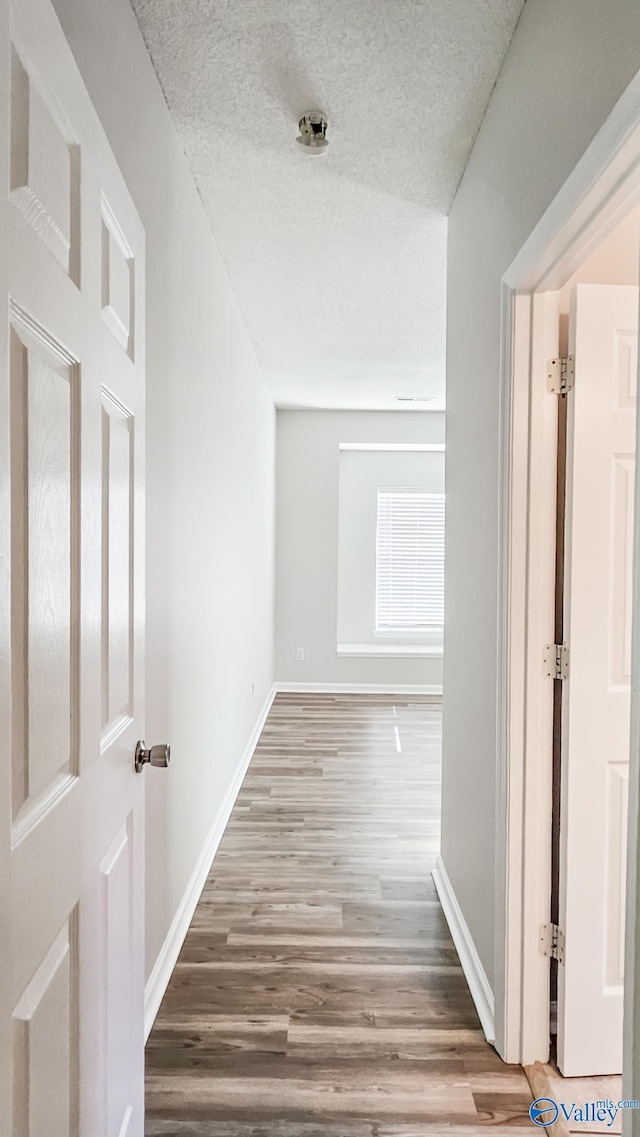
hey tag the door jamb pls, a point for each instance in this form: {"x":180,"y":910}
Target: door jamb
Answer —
{"x":602,"y":188}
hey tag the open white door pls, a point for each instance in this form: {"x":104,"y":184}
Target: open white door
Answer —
{"x":596,"y":697}
{"x":71,"y":602}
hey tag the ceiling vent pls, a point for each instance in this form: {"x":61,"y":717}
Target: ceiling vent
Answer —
{"x":313,"y":132}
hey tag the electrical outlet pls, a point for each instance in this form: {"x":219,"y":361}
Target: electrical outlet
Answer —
{"x":300,"y":655}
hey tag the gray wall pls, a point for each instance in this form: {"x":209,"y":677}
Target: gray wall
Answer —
{"x":568,"y":63}
{"x":308,"y":460}
{"x":210,"y":470}
{"x":362,"y":474}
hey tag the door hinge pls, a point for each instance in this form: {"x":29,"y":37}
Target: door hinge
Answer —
{"x":561,"y":375}
{"x":552,"y":942}
{"x":555,"y":661}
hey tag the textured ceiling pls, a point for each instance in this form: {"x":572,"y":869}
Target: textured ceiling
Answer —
{"x":339,"y":260}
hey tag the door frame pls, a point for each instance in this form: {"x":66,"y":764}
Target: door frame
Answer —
{"x":601,"y":190}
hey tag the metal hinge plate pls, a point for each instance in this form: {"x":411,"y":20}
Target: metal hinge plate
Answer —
{"x":552,"y":942}
{"x":561,"y":375}
{"x":555,"y":661}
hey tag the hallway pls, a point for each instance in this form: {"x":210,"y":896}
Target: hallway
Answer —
{"x":318,"y":993}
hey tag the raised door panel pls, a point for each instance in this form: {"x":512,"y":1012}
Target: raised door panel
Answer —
{"x":45,"y":599}
{"x":117,"y":566}
{"x":622,"y":494}
{"x":44,"y":1050}
{"x":118,"y":960}
{"x":617,"y":800}
{"x":118,"y":281}
{"x":626,"y":367}
{"x":109,"y":926}
{"x":44,"y":168}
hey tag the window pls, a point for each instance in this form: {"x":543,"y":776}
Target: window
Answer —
{"x":409,"y":560}
{"x":416,"y":474}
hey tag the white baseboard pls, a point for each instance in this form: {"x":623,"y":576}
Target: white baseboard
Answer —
{"x":474,"y":972}
{"x":166,"y":961}
{"x":360,"y":688}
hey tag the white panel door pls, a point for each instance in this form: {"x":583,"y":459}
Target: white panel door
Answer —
{"x":596,"y":697}
{"x":71,"y":602}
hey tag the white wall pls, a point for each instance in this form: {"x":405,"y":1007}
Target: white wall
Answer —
{"x":210,"y":470}
{"x":614,"y":261}
{"x":567,"y":65}
{"x":361,"y":474}
{"x":308,"y":462}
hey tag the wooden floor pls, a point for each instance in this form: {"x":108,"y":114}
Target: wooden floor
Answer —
{"x":581,"y":1090}
{"x":318,"y":993}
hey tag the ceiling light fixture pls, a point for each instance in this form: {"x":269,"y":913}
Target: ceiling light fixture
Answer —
{"x":313,"y":132}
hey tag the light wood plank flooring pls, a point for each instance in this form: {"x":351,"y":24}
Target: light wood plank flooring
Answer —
{"x":581,"y":1090}
{"x":318,"y":993}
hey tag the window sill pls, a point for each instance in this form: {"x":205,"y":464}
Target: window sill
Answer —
{"x":423,"y":637}
{"x":406,"y":651}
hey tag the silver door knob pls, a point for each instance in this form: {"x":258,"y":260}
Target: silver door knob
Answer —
{"x":153,"y":755}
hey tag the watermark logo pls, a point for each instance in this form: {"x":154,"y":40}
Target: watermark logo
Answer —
{"x":544,"y":1111}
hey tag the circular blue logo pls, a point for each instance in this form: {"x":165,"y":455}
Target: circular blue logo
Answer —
{"x":543,"y":1112}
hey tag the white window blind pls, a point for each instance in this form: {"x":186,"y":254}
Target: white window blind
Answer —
{"x":409,"y":560}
